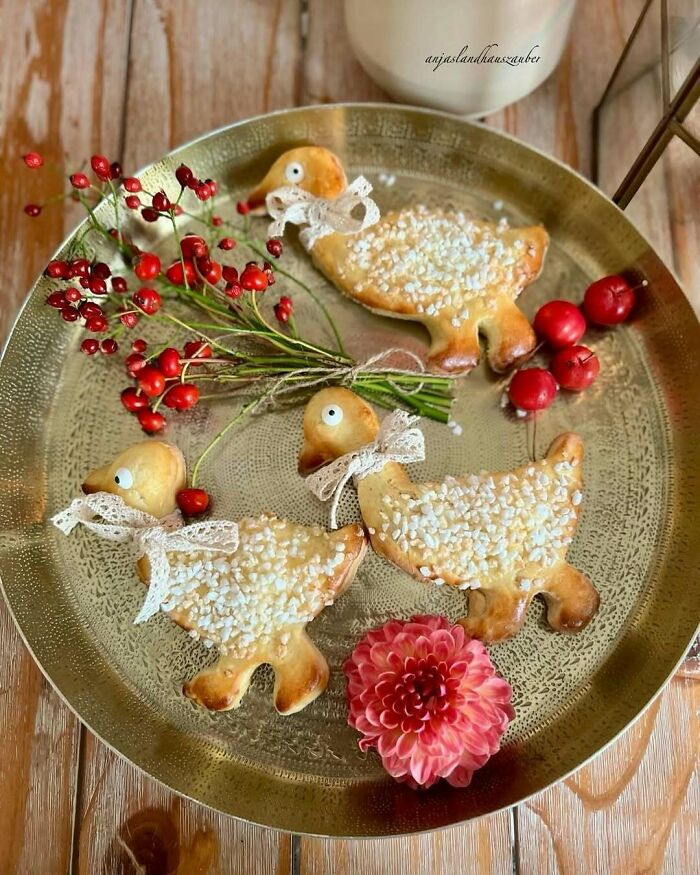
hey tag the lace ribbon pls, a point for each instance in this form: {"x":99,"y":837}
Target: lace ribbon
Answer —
{"x":151,"y":536}
{"x":323,"y":216}
{"x":398,"y":440}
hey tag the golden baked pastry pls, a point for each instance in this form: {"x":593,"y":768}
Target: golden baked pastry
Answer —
{"x":456,"y":274}
{"x":501,"y":537}
{"x":252,"y":604}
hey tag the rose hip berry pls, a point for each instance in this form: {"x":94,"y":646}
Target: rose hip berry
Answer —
{"x":575,"y":368}
{"x":57,"y":269}
{"x":133,"y":400}
{"x":79,"y":181}
{"x":253,"y":279}
{"x":147,"y":300}
{"x":192,"y":501}
{"x":182,"y":396}
{"x":532,"y":389}
{"x":197,"y":349}
{"x":608,"y":301}
{"x":33,"y":160}
{"x":559,"y":323}
{"x":209,"y":269}
{"x":119,"y":284}
{"x":193,"y":246}
{"x":227,"y":244}
{"x":100,"y":166}
{"x":147,"y":266}
{"x":33,"y":210}
{"x":133,"y":201}
{"x":176,"y":275}
{"x":70,"y":314}
{"x":115,"y":170}
{"x":109,"y":346}
{"x":90,"y":346}
{"x":129,"y":320}
{"x":161,"y":202}
{"x":56,"y":300}
{"x":149,"y":215}
{"x":101,"y":270}
{"x":73,"y":295}
{"x":275,"y":247}
{"x":183,"y":174}
{"x":139,"y":345}
{"x":96,"y":324}
{"x":169,"y":362}
{"x":134,"y":362}
{"x":242,"y":208}
{"x":150,"y":421}
{"x":151,"y":381}
{"x":233,"y":290}
{"x":132,"y":184}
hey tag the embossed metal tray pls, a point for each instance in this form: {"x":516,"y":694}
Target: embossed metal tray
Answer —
{"x":74,"y":598}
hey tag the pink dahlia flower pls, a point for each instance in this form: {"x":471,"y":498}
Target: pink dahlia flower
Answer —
{"x":428,"y":698}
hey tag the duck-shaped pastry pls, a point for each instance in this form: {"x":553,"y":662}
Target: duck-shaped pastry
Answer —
{"x":253,"y":602}
{"x":456,"y":274}
{"x":502,"y":537}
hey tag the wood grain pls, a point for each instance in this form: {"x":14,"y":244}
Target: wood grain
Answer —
{"x":50,"y":104}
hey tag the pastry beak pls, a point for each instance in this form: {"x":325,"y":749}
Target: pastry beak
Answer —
{"x":311,"y":459}
{"x":93,"y":482}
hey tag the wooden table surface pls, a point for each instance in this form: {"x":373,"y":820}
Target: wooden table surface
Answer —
{"x":133,"y":78}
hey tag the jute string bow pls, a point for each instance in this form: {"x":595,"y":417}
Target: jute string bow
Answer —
{"x":323,"y":216}
{"x":398,"y":440}
{"x":152,"y":537}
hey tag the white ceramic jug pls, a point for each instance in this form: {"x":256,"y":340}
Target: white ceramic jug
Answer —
{"x":467,"y":56}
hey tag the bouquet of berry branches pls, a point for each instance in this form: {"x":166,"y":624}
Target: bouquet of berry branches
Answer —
{"x":230,"y":333}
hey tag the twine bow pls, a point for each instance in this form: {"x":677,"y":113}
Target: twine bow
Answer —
{"x":322,"y":215}
{"x":398,"y":440}
{"x":151,"y":536}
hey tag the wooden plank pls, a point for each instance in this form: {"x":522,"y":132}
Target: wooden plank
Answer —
{"x":193,"y":66}
{"x":481,"y":848}
{"x":50,"y":103}
{"x":127,"y":822}
{"x":634,"y":809}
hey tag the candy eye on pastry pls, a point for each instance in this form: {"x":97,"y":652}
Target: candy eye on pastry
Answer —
{"x":124,"y":478}
{"x":332,"y":414}
{"x":294,"y":172}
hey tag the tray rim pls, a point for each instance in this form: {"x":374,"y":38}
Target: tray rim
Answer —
{"x":321,"y":109}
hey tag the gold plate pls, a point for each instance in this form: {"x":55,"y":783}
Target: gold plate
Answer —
{"x":74,"y":598}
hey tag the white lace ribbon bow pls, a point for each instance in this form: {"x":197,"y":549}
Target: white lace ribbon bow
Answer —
{"x":322,"y":215}
{"x":151,"y":536}
{"x":398,"y":440}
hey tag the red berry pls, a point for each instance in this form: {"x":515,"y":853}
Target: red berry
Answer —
{"x":101,"y":270}
{"x":119,"y":284}
{"x":229,"y":273}
{"x":33,"y":210}
{"x":90,"y":346}
{"x":183,"y":174}
{"x":147,"y":266}
{"x":134,"y":362}
{"x":100,"y":165}
{"x":57,"y":300}
{"x":109,"y":346}
{"x":139,"y":345}
{"x":147,"y":300}
{"x":33,"y":160}
{"x":214,"y":186}
{"x":84,"y":282}
{"x":97,"y":285}
{"x":532,"y":389}
{"x":169,"y":362}
{"x":133,"y":400}
{"x":70,"y":314}
{"x":73,"y":295}
{"x":132,"y":184}
{"x":282,"y":314}
{"x":115,"y":170}
{"x":150,"y":422}
{"x":203,"y":191}
{"x":57,"y":269}
{"x":559,"y":323}
{"x":96,"y":324}
{"x":209,"y":269}
{"x":227,"y":243}
{"x":193,"y":246}
{"x":216,"y":221}
{"x":253,"y":279}
{"x":149,"y":215}
{"x":197,"y":349}
{"x":80,"y":267}
{"x":287,"y":302}
{"x":274,"y":247}
{"x":89,"y":309}
{"x":129,"y":320}
{"x":193,"y":183}
{"x":575,"y":368}
{"x":182,"y":396}
{"x":175,"y":273}
{"x":151,"y":381}
{"x":133,"y":201}
{"x":608,"y":301}
{"x":79,"y":180}
{"x":161,"y":202}
{"x":233,"y":290}
{"x":242,"y":208}
{"x":192,"y":501}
